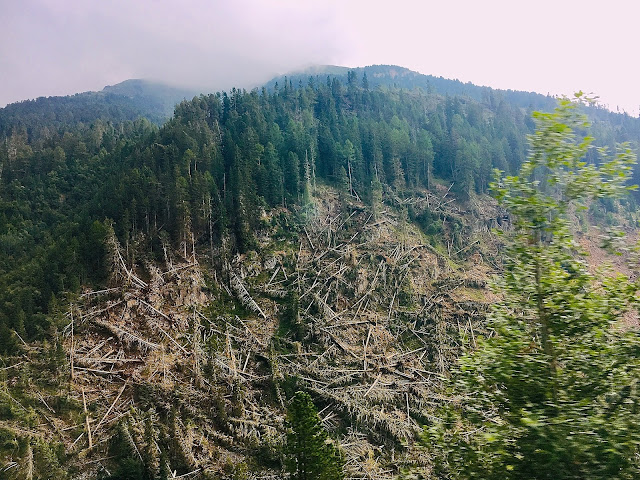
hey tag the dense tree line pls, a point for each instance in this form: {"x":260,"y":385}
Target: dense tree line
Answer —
{"x":50,"y":238}
{"x":44,"y":117}
{"x":206,"y":176}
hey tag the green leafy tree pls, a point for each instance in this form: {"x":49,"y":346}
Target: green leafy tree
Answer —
{"x":309,"y":454}
{"x":553,"y":394}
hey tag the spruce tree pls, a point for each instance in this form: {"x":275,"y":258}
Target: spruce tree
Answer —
{"x":309,"y":454}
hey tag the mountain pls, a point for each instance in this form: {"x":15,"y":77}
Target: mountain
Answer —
{"x":165,"y":290}
{"x":125,"y":101}
{"x":161,"y":96}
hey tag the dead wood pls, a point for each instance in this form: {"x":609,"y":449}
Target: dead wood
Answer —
{"x":243,"y":295}
{"x":127,"y":337}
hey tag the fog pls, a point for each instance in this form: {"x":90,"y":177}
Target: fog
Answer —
{"x":59,"y":47}
{"x":53,"y":47}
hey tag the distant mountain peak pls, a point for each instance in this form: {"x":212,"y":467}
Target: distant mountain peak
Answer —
{"x":136,"y":87}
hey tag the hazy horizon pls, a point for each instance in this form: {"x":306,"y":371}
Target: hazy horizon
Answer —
{"x":59,"y":48}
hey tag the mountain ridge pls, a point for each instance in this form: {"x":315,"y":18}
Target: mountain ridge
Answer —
{"x":155,"y":100}
{"x":124,"y":101}
{"x":402,"y":77}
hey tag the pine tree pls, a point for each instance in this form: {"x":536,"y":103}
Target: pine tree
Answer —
{"x":365,"y":82}
{"x":309,"y":454}
{"x":376,"y":197}
{"x":343,"y":181}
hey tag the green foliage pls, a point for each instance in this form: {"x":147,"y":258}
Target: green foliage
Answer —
{"x":128,"y":469}
{"x":429,"y":222}
{"x":237,"y":471}
{"x":128,"y":462}
{"x":309,"y":454}
{"x":290,"y":321}
{"x":24,"y":457}
{"x":553,"y":394}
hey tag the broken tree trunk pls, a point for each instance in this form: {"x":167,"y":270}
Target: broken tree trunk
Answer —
{"x":243,"y":295}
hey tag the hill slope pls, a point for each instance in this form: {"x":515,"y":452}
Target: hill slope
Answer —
{"x":125,"y":101}
{"x":165,"y":291}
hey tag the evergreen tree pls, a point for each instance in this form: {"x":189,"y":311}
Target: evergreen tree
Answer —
{"x":376,"y":197}
{"x":343,"y":180}
{"x":425,"y":158}
{"x":309,"y":454}
{"x":292,"y":178}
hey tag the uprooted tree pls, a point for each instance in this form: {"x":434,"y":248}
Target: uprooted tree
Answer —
{"x":554,"y":393}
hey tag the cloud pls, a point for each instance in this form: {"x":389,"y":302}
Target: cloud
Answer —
{"x":51,"y":47}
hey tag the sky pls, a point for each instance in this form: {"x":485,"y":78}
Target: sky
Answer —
{"x":61,"y":47}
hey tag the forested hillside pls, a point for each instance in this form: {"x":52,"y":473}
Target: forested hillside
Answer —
{"x":126,"y":101}
{"x":224,"y":159}
{"x":225,"y":246}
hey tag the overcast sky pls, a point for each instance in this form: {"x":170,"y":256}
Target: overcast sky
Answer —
{"x":60,"y":47}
